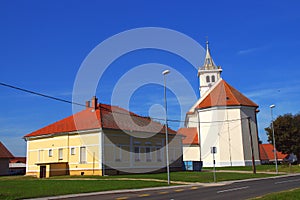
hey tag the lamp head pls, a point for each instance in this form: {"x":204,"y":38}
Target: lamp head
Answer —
{"x":272,"y":106}
{"x":166,"y":72}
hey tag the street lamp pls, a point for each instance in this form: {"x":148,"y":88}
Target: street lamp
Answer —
{"x":275,"y":156}
{"x":164,"y":73}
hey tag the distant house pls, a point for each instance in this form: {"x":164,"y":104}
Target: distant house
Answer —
{"x":5,"y":156}
{"x":17,"y":166}
{"x":101,"y":140}
{"x":267,"y":154}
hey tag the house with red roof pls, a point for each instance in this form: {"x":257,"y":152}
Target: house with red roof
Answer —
{"x":266,"y":152}
{"x":5,"y":156}
{"x":223,"y":118}
{"x":101,"y":140}
{"x":17,"y":166}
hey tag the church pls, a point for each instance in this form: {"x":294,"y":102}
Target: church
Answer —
{"x":221,"y":127}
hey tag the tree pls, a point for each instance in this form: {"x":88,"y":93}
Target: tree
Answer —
{"x":287,"y":134}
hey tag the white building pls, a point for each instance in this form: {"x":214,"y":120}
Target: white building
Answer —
{"x":223,"y":118}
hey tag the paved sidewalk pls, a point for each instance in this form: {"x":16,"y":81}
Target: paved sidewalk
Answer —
{"x":142,"y":179}
{"x":126,"y":191}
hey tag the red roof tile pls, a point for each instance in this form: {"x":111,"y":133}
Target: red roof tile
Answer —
{"x":190,"y":135}
{"x":267,"y":152}
{"x":224,"y":94}
{"x":4,"y":152}
{"x":106,"y":117}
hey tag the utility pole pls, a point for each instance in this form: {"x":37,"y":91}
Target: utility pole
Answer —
{"x":251,"y":143}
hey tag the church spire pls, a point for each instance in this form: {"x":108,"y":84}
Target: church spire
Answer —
{"x":209,"y":62}
{"x":209,"y":73}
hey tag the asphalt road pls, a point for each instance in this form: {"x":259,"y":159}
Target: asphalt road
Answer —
{"x":230,"y":190}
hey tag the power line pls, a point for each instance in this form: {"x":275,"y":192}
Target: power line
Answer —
{"x":40,"y":94}
{"x":110,"y":110}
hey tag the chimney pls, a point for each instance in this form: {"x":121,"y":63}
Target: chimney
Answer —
{"x":94,"y":102}
{"x":87,"y":104}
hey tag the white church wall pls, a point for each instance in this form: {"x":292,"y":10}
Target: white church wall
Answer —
{"x":192,"y":120}
{"x":191,"y":153}
{"x":221,"y":127}
{"x":231,"y":148}
{"x":250,"y":112}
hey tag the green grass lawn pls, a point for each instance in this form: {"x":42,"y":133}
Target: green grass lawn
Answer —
{"x":25,"y":187}
{"x":262,"y":168}
{"x":286,"y":195}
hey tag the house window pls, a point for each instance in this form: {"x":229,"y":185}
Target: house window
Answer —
{"x":40,"y":156}
{"x":158,"y":154}
{"x":50,"y":152}
{"x":60,"y":154}
{"x":213,"y":79}
{"x":73,"y":151}
{"x":172,"y":154}
{"x":137,"y":153}
{"x":82,"y":154}
{"x":118,"y":153}
{"x":148,"y":154}
{"x":207,"y":79}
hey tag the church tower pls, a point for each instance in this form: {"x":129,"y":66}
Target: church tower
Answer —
{"x":209,"y":73}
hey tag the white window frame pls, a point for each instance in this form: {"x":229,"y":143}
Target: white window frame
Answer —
{"x":148,"y":154}
{"x":50,"y":152}
{"x":73,"y":151}
{"x":60,"y":154}
{"x":118,"y":153}
{"x":159,"y":154}
{"x":82,"y":155}
{"x":137,"y":153}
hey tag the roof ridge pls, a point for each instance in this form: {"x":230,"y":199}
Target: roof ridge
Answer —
{"x":223,"y":94}
{"x":102,"y":117}
{"x":201,"y":99}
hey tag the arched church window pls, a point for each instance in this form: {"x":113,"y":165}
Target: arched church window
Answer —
{"x":213,"y":79}
{"x":207,"y":79}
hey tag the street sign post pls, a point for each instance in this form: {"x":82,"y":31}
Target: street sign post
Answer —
{"x":214,"y":151}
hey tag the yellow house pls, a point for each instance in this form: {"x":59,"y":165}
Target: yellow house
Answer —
{"x":101,"y":140}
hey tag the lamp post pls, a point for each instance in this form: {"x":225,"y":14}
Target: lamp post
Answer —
{"x":275,"y":154}
{"x":164,"y":73}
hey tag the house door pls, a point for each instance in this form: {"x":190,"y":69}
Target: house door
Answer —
{"x":42,"y":171}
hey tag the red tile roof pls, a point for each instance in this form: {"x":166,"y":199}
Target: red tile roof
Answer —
{"x":224,"y":94}
{"x":106,"y":117}
{"x":267,"y":153}
{"x":190,"y":136}
{"x":4,"y":152}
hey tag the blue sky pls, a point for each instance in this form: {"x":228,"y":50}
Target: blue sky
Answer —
{"x":42,"y":46}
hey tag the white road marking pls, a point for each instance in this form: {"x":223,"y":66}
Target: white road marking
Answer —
{"x":233,"y":189}
{"x":287,"y":181}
